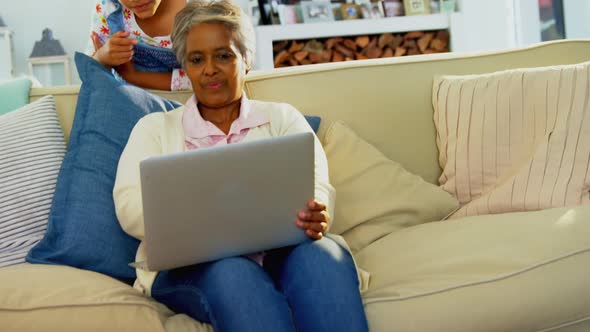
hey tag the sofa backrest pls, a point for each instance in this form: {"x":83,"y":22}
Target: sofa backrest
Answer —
{"x":386,"y":101}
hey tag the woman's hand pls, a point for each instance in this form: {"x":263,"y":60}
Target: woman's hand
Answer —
{"x":314,"y":221}
{"x":117,"y":50}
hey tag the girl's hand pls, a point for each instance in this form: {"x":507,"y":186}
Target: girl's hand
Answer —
{"x":117,"y":50}
{"x":314,"y":221}
{"x":127,"y":71}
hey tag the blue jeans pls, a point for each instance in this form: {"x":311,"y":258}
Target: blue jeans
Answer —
{"x":309,"y":287}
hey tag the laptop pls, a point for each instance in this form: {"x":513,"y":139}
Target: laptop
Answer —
{"x":222,"y":201}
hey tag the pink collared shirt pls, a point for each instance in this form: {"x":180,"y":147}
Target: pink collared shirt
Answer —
{"x":201,"y":133}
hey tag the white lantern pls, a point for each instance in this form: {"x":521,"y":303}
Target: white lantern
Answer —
{"x":6,"y":52}
{"x":48,"y":62}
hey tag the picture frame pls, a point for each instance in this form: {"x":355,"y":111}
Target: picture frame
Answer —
{"x":254,"y":12}
{"x":393,"y":8}
{"x":336,"y":11}
{"x":416,"y":7}
{"x":447,"y":6}
{"x":288,"y":14}
{"x":365,"y":7}
{"x":316,"y":11}
{"x":376,"y":10}
{"x":350,"y":11}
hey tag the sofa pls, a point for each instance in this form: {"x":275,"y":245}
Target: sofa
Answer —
{"x":515,"y":271}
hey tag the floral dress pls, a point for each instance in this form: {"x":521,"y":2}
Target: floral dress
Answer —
{"x":101,"y":12}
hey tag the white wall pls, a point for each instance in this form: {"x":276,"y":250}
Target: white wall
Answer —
{"x":483,"y":25}
{"x":577,"y":18}
{"x":68,"y":19}
{"x":528,"y":22}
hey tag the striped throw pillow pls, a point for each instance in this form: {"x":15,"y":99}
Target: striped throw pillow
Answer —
{"x":516,"y":140}
{"x":32,"y":148}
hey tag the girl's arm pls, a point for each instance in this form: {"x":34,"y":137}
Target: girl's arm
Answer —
{"x":98,"y":24}
{"x":177,"y":80}
{"x":144,"y":79}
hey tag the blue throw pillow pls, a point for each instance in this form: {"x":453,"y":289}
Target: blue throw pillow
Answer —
{"x":83,"y":230}
{"x":314,"y":122}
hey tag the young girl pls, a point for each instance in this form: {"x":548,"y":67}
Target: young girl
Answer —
{"x":133,"y":37}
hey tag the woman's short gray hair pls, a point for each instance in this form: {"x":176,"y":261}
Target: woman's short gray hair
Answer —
{"x":225,"y":12}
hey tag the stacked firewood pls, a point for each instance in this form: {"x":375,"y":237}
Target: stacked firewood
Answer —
{"x":303,"y":52}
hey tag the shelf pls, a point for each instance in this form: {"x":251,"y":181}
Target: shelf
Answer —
{"x":267,"y":34}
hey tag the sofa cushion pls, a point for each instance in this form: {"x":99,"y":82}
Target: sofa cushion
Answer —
{"x":516,"y":140}
{"x":32,"y":148}
{"x":61,"y":298}
{"x":83,"y":229}
{"x":375,"y":195}
{"x":14,"y":94}
{"x":523,"y":271}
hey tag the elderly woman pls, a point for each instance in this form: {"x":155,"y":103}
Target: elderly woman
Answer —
{"x":309,"y":287}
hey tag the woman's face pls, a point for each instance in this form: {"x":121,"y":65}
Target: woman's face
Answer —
{"x":214,"y":65}
{"x":142,"y":8}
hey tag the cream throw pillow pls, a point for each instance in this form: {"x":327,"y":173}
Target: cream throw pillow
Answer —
{"x":516,"y":140}
{"x":374,"y":195}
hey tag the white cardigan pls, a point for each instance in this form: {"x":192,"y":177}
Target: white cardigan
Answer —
{"x":162,"y":133}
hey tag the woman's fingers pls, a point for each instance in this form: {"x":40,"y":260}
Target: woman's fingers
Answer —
{"x":314,"y":205}
{"x":320,"y":227}
{"x":314,"y":235}
{"x":313,"y":230}
{"x":317,"y":216}
{"x":314,"y":221}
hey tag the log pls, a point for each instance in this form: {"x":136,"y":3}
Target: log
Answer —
{"x":413,"y":35}
{"x":279,"y":46}
{"x":424,"y":41}
{"x":330,"y":42}
{"x":316,"y":57}
{"x":443,"y":35}
{"x":362,"y":41}
{"x":344,"y":50}
{"x":373,"y":53}
{"x":350,"y":44}
{"x":384,"y":40}
{"x":301,"y":55}
{"x":327,"y":55}
{"x":360,"y":56}
{"x":337,"y":56}
{"x":296,"y":47}
{"x":396,"y":42}
{"x":439,"y":45}
{"x":281,"y":57}
{"x":400,"y":51}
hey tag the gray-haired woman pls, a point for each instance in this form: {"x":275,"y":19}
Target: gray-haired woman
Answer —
{"x":309,"y":287}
